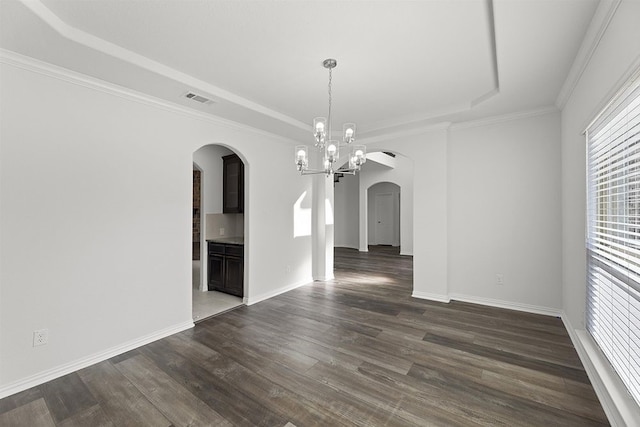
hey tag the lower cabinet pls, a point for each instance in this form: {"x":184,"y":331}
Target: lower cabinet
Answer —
{"x":234,"y":276}
{"x":216,"y":272}
{"x":226,"y":268}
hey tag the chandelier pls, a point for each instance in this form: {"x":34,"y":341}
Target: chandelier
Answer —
{"x":330,"y":148}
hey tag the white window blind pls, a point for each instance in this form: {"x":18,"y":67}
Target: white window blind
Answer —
{"x":613,"y":234}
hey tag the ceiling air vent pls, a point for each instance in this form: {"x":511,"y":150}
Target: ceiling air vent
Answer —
{"x":198,"y":98}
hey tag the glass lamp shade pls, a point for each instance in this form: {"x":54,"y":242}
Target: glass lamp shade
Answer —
{"x":320,"y":130}
{"x":333,"y":151}
{"x":349,"y":132}
{"x":358,"y":156}
{"x":302,"y":157}
{"x":327,"y":166}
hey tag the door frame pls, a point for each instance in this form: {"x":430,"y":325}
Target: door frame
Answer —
{"x":390,"y":214}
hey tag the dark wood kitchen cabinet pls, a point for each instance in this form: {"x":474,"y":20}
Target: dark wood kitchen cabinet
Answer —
{"x":232,"y":184}
{"x":216,"y":267}
{"x":233,"y":276}
{"x":226,"y":268}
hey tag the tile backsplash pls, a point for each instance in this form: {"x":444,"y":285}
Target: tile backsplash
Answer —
{"x":233,"y":225}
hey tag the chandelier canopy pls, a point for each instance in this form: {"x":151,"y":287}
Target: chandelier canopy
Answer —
{"x":330,"y":148}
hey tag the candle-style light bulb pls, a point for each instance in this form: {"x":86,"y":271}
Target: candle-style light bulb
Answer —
{"x":301,"y":157}
{"x":349,"y":132}
{"x":332,"y":151}
{"x":358,"y":156}
{"x":319,"y":130}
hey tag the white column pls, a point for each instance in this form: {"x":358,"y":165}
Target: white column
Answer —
{"x":322,"y":227}
{"x":363,"y":239}
{"x":329,"y":228}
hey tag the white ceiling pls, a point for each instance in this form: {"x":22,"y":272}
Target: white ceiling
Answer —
{"x":401,"y":64}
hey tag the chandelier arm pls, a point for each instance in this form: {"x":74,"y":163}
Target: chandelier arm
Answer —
{"x":313,"y":172}
{"x":347,"y":171}
{"x":322,"y":171}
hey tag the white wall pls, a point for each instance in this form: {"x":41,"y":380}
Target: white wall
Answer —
{"x":504,"y":213}
{"x":616,"y":55}
{"x":96,"y":190}
{"x":486,"y":200}
{"x":372,"y":192}
{"x":346,"y":214}
{"x":424,"y":200}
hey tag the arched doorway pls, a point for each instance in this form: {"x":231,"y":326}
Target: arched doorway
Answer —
{"x":219,"y":229}
{"x":388,"y":173}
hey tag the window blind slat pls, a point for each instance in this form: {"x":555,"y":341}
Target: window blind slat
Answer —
{"x":613,"y":234}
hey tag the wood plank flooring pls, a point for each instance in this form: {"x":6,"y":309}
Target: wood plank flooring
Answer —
{"x":356,"y":351}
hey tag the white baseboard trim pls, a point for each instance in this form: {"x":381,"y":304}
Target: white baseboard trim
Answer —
{"x":324,"y":278}
{"x":59,"y":371}
{"x":346,"y":246}
{"x":256,"y":299}
{"x":431,"y":297}
{"x":528,"y":308}
{"x":618,"y":405}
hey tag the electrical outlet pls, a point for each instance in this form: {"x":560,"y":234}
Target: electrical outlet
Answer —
{"x":40,"y":337}
{"x":221,"y":231}
{"x":500,"y":279}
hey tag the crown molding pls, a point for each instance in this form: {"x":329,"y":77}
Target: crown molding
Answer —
{"x":44,"y":68}
{"x":404,"y":126}
{"x":631,"y":74}
{"x":461,"y":125}
{"x":113,"y":50}
{"x":596,"y":30}
{"x":506,"y":117}
{"x":404,"y":133}
{"x":387,"y":127}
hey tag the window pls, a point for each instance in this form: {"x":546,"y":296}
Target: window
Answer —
{"x":613,"y":234}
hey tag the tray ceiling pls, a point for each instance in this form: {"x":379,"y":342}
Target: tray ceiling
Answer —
{"x":400,"y":63}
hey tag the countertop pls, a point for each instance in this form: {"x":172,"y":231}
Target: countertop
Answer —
{"x":238,"y":240}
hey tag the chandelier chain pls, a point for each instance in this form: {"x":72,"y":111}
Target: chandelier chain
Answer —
{"x":329,"y":115}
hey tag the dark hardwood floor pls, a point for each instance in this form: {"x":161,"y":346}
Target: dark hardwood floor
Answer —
{"x":354,"y":351}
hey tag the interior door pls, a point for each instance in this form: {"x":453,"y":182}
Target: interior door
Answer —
{"x":384,"y":218}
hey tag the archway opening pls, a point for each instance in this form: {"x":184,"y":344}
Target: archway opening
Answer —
{"x":220,"y":269}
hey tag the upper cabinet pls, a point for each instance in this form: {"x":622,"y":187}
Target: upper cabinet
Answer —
{"x":233,"y":184}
